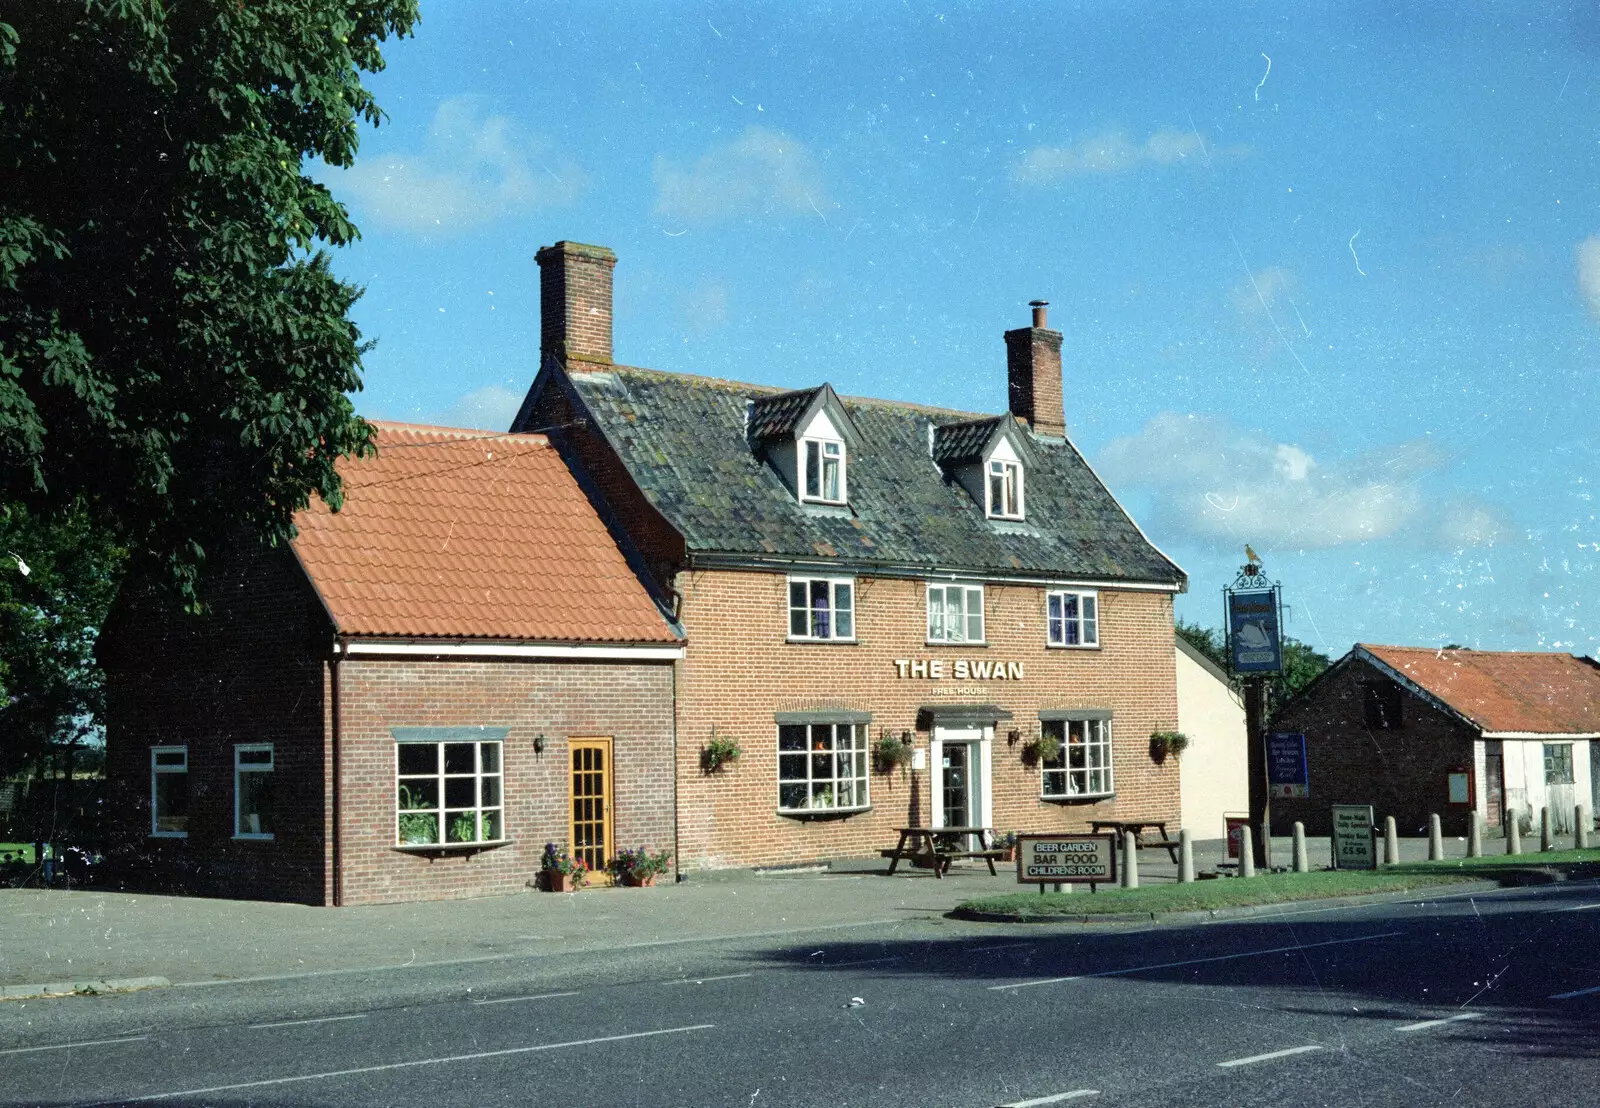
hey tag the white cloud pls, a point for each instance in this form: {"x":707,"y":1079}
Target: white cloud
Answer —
{"x":474,"y":168}
{"x":758,"y":173}
{"x":491,"y":408}
{"x":1216,"y":482}
{"x":1589,"y":273}
{"x":1110,"y":152}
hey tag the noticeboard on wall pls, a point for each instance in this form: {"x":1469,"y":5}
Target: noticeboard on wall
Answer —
{"x":1066,"y":859}
{"x":1287,"y":773}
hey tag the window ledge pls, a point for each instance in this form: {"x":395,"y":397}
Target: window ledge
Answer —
{"x":1072,"y":646}
{"x":1081,"y":798}
{"x":169,"y":834}
{"x":448,"y":848}
{"x":815,"y":815}
{"x":947,"y":642}
{"x":254,"y":838}
{"x":794,"y":641}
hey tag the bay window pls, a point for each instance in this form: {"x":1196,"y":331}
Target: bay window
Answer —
{"x":1082,"y":764}
{"x":822,"y":766}
{"x":448,"y":793}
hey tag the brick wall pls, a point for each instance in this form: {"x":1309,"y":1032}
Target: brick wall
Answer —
{"x":739,"y":671}
{"x":1402,"y":772}
{"x":631,"y":703}
{"x":575,"y":302}
{"x":248,"y":672}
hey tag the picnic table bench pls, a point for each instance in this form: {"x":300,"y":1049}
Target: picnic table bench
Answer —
{"x":1138,"y":827}
{"x":933,"y":845}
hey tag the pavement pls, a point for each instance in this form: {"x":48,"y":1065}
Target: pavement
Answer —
{"x":55,"y":941}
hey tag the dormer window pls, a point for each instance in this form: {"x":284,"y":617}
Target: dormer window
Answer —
{"x":822,"y":465}
{"x":1005,"y":489}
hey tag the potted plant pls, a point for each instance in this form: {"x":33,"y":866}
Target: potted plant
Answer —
{"x":718,"y":752}
{"x":638,"y":868}
{"x":1045,"y":748}
{"x":562,"y":872}
{"x":1167,"y":744}
{"x":1006,"y":843}
{"x":890,"y":753}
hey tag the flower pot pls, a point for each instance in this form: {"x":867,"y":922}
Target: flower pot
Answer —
{"x":1008,"y":854}
{"x":557,"y":882}
{"x":638,"y":881}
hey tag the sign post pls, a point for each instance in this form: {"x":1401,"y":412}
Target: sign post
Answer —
{"x":1066,"y":860}
{"x":1253,"y":607}
{"x":1353,"y":837}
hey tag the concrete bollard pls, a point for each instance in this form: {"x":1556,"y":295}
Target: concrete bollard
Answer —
{"x":1545,"y":842}
{"x":1580,"y":825}
{"x":1391,"y":842}
{"x":1474,"y":836}
{"x":1185,"y":857}
{"x":1513,"y":832}
{"x":1435,"y":838}
{"x":1301,"y":863}
{"x":1130,"y":861}
{"x":1247,"y":852}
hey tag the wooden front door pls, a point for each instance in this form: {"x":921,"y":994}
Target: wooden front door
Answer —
{"x":1494,"y":783}
{"x":591,"y":804}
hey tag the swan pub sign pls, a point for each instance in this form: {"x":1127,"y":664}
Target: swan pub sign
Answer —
{"x":1254,"y":642}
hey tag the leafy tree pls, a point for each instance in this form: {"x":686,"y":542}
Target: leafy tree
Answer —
{"x":1301,"y":663}
{"x":175,"y":351}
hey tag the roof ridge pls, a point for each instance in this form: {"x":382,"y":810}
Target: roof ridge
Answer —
{"x":778,"y":390}
{"x":442,"y":433}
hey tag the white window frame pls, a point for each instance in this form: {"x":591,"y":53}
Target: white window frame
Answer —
{"x":441,"y":810}
{"x":1087,"y":625}
{"x":156,"y":770}
{"x":997,"y":467}
{"x":964,"y":635}
{"x":808,"y":611}
{"x":240,"y":768}
{"x":803,"y":466}
{"x":858,"y":752}
{"x":1076,"y":781}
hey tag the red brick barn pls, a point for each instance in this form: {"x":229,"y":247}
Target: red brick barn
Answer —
{"x":1418,"y":730}
{"x":454,"y":669}
{"x":854,"y":573}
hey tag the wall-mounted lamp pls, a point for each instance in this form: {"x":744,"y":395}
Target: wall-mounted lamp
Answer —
{"x":538,"y":743}
{"x":1013,"y":737}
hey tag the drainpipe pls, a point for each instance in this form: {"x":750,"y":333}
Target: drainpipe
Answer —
{"x":338,"y":770}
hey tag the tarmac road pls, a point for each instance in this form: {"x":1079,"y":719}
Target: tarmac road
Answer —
{"x":1466,"y":999}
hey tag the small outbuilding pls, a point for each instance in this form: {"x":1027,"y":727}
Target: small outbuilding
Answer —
{"x":1417,"y":730}
{"x":1213,"y":773}
{"x":409,"y":701}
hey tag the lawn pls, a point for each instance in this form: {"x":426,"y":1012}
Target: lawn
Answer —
{"x":20,"y":852}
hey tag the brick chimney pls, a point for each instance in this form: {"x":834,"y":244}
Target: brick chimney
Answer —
{"x":1033,"y":365}
{"x":575,"y":304}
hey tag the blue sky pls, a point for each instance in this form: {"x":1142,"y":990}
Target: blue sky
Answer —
{"x":1329,"y":275}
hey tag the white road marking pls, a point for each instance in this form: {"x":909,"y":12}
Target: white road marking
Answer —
{"x":1576,"y":992}
{"x":1193,"y":961}
{"x":517,"y":999}
{"x":1579,"y":908}
{"x":407,"y":1065}
{"x":862,"y":962}
{"x":1254,"y":1058}
{"x":1425,"y":1024}
{"x":703,"y":980}
{"x":297,"y":1023}
{"x":69,"y":1046}
{"x":1002,"y":946}
{"x":1075,"y":1094}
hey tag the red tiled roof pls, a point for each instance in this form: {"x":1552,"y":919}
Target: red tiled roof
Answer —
{"x":463,"y":534}
{"x":1505,"y":691}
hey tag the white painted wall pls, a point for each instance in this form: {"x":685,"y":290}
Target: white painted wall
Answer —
{"x":1213,"y":775}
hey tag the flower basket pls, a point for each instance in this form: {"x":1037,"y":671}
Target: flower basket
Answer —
{"x":890,"y":754}
{"x":1006,"y":843}
{"x":718,"y":752}
{"x":634,"y":880}
{"x":560,"y":871}
{"x":1167,"y":744}
{"x":638,"y":868}
{"x":557,"y":882}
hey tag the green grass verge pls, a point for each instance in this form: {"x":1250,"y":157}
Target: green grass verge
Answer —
{"x":20,"y":852}
{"x":1280,"y":888}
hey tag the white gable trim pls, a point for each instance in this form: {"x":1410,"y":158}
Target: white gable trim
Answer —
{"x":456,"y":649}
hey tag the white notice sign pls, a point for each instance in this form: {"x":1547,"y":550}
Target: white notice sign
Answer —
{"x":1052,"y":859}
{"x":1353,"y":846}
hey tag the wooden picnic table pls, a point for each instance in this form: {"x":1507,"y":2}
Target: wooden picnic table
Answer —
{"x":924,"y":843}
{"x":1138,"y":827}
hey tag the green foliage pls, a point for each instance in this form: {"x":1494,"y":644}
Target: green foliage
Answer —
{"x":175,"y":352}
{"x":52,"y":692}
{"x":419,"y":828}
{"x":1045,"y":748}
{"x":890,"y":753}
{"x":639,"y":862}
{"x":1167,"y":744}
{"x":464,"y":827}
{"x":559,"y":860}
{"x":718,"y":752}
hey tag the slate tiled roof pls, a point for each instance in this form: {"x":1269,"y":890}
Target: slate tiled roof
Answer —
{"x":460,"y":534}
{"x":1504,"y":691}
{"x":963,"y":442}
{"x":683,"y":441}
{"x":776,"y":416}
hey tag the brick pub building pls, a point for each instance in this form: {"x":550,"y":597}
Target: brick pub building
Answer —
{"x":850,"y":571}
{"x":454,"y":669}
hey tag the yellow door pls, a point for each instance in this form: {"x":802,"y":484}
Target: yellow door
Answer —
{"x":591,"y":805}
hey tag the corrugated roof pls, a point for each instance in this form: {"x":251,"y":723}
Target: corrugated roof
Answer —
{"x":463,"y":534}
{"x":1504,"y":691}
{"x":683,"y":441}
